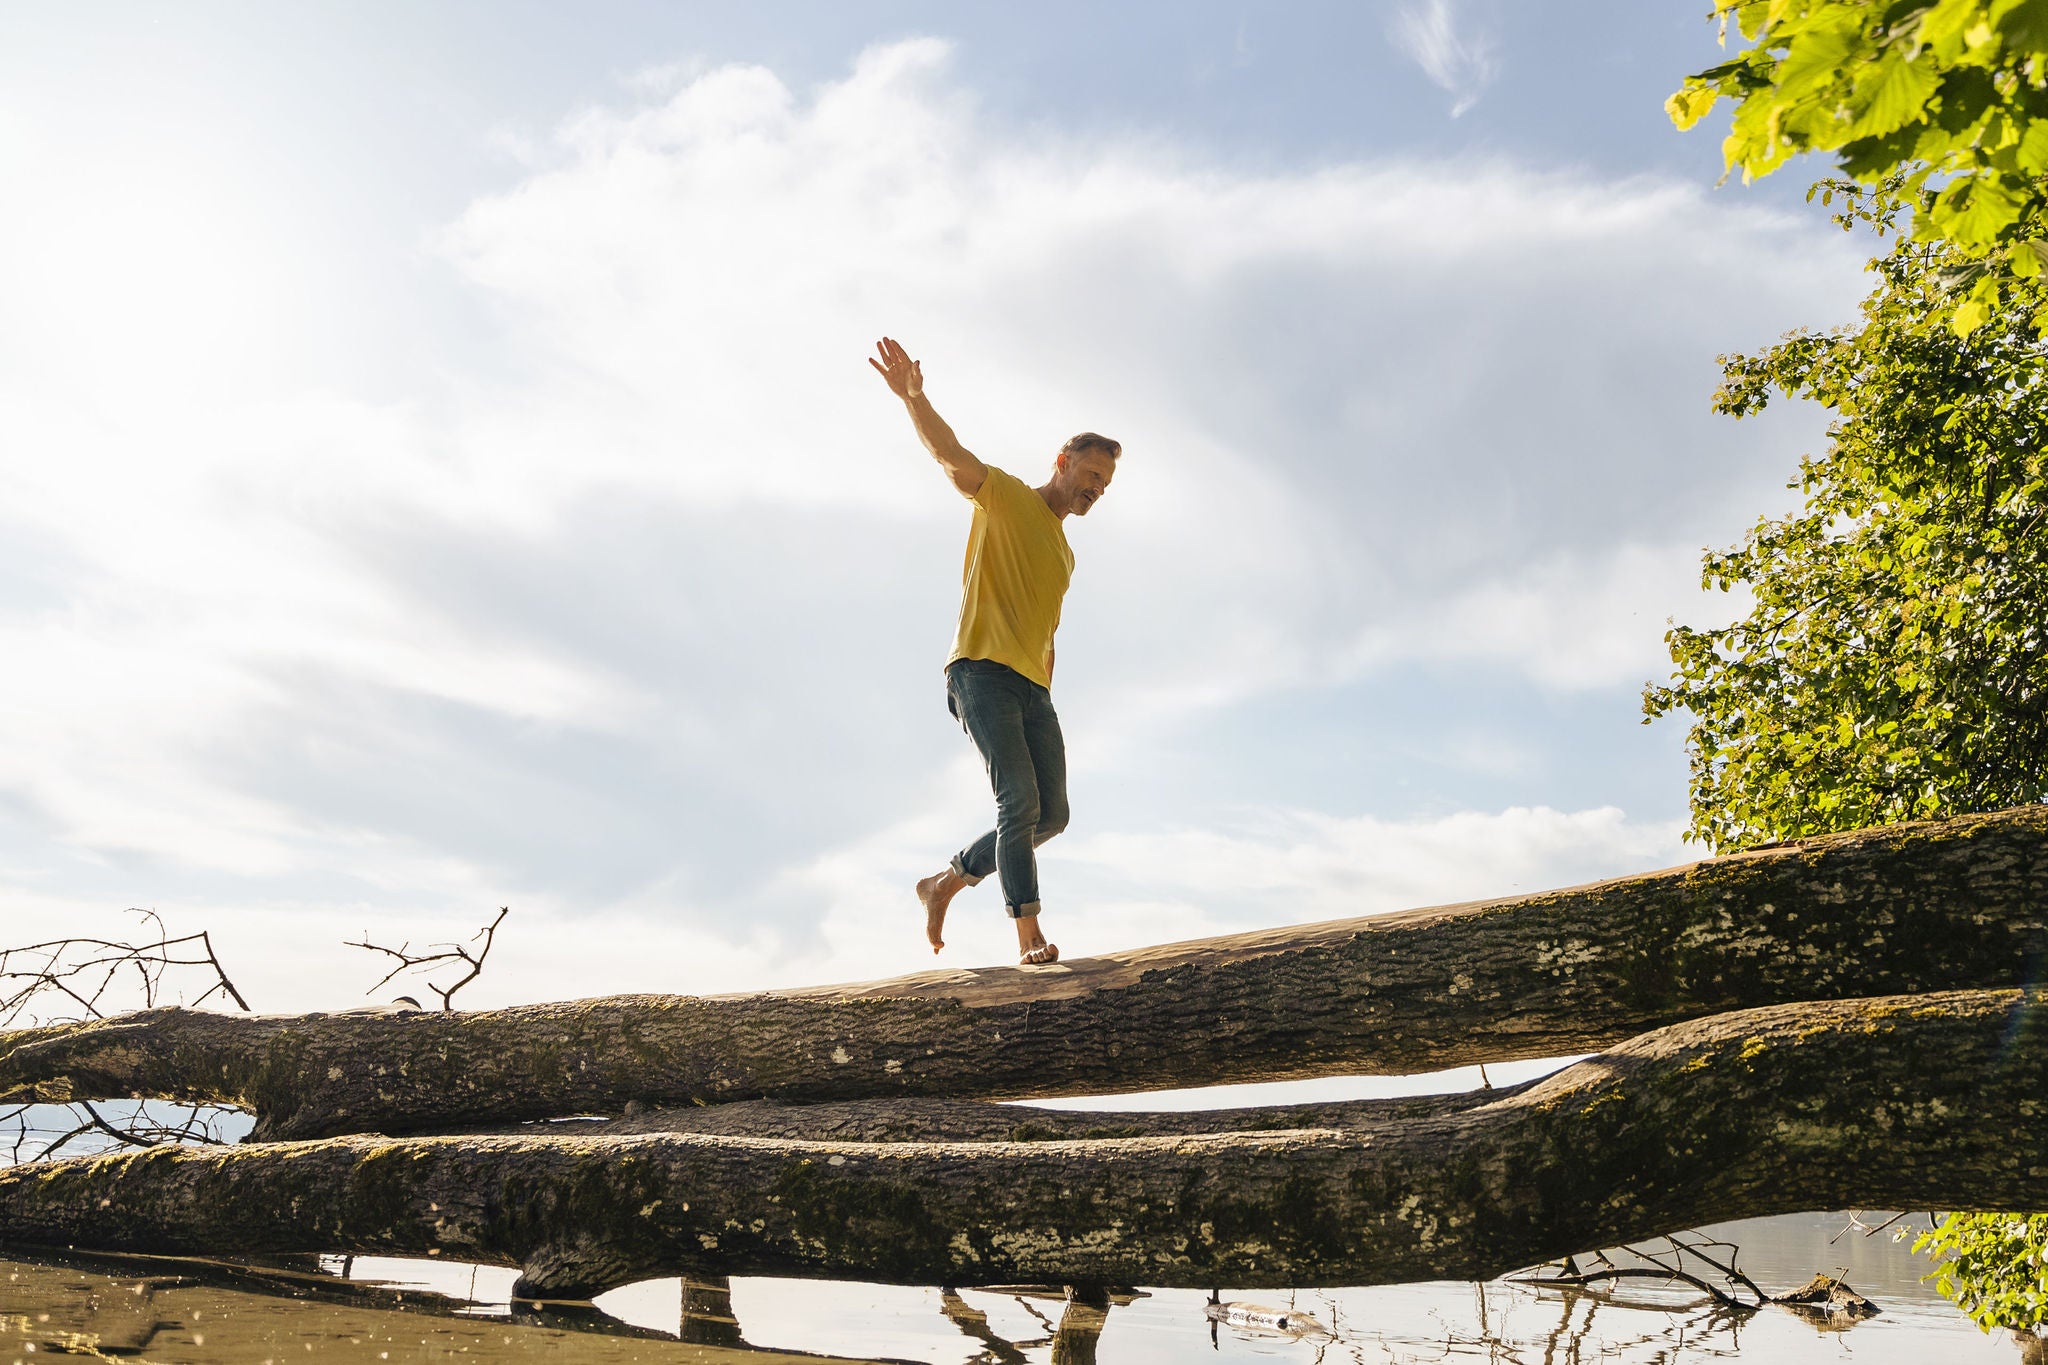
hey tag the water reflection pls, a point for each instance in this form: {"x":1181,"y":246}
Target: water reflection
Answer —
{"x":158,"y":1309}
{"x":707,"y":1318}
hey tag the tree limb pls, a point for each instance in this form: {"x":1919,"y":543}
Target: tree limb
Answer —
{"x":1929,"y":906}
{"x":1739,"y":1115}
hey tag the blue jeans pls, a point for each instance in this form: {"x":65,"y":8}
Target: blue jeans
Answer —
{"x":1011,"y":720}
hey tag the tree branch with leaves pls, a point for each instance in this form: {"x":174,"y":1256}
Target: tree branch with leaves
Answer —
{"x":1945,"y":101}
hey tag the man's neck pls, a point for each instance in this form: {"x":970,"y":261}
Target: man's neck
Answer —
{"x":1056,"y":500}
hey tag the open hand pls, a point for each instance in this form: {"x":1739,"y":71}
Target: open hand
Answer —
{"x":904,"y":376}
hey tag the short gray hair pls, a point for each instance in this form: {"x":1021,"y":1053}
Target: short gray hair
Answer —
{"x":1088,"y":442}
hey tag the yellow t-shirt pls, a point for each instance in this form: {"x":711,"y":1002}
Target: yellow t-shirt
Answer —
{"x":1018,"y":566}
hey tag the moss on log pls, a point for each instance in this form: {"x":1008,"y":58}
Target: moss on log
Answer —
{"x":1903,"y":1102}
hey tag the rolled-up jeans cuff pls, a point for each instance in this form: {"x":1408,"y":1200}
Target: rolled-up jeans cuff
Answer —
{"x":1028,"y":910}
{"x":960,"y":871}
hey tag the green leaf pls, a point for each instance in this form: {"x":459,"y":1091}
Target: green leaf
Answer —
{"x":1975,"y":212}
{"x":1893,"y":93}
{"x":1690,"y":105}
{"x":2031,"y":155}
{"x":1814,"y":58}
{"x":2023,"y":24}
{"x":1943,"y":26}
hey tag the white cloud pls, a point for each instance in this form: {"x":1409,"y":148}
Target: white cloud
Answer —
{"x":1459,"y":58}
{"x":1281,"y":866}
{"x":1570,"y":620}
{"x":635,"y":610}
{"x":1263,"y":868}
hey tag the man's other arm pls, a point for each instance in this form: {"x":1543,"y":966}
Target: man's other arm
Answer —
{"x":905,"y":378}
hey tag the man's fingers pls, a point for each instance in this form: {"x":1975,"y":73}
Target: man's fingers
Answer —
{"x":895,"y":360}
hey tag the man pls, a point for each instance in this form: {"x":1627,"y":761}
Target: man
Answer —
{"x":999,"y":675}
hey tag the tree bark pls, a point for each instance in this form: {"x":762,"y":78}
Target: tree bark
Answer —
{"x":1904,"y":1102}
{"x":921,"y":1120}
{"x":1937,"y":905}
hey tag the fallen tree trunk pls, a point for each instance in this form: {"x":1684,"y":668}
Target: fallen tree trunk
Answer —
{"x":1937,"y":905}
{"x":1903,"y":1102}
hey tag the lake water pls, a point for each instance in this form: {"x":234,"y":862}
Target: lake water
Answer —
{"x":383,"y":1310}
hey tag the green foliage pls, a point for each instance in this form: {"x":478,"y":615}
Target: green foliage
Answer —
{"x":1893,"y":663}
{"x":1947,"y":99}
{"x":1993,"y":1265}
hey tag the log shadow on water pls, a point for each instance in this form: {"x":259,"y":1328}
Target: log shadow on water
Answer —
{"x":1084,"y":1311}
{"x":194,"y":1309}
{"x":181,"y":1309}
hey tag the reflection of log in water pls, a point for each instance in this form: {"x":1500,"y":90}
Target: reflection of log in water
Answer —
{"x":1737,"y":1115}
{"x":1907,"y":908}
{"x":974,"y":1323}
{"x":175,"y":1312}
{"x":201,"y":1313}
{"x":1080,"y":1328}
{"x":707,"y":1316}
{"x":1084,"y":1311}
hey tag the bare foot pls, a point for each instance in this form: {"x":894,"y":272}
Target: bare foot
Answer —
{"x":936,"y":892}
{"x":1032,"y":949}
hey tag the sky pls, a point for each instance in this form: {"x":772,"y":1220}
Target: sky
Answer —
{"x":439,"y":469}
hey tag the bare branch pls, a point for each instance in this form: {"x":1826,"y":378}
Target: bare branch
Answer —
{"x":69,"y":979}
{"x":447,"y":952}
{"x":1665,"y":1264}
{"x":84,"y":973}
{"x":1662,"y":1274}
{"x":1856,"y":1224}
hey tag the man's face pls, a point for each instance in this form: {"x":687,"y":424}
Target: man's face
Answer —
{"x":1087,"y":477}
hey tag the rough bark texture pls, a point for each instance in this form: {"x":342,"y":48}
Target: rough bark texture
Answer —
{"x":1905,"y":1102}
{"x":920,"y":1120}
{"x":1957,"y":904}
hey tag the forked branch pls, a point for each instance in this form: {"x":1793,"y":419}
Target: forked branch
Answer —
{"x":441,"y":952}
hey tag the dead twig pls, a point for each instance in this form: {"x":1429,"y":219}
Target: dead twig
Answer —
{"x":446,"y":952}
{"x":68,"y":979}
{"x":1696,"y":1250}
{"x":88,"y":973}
{"x":1856,"y":1224}
{"x":1665,"y":1264}
{"x":1662,"y":1274}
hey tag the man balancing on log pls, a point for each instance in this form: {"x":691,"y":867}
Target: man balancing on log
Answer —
{"x":999,"y":675}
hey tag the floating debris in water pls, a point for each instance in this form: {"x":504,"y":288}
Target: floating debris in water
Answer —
{"x":1258,"y":1317}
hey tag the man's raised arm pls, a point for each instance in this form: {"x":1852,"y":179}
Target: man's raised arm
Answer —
{"x":906,"y":380}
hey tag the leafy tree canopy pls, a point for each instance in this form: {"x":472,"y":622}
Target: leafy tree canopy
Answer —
{"x":1893,"y":660}
{"x":1948,"y":100}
